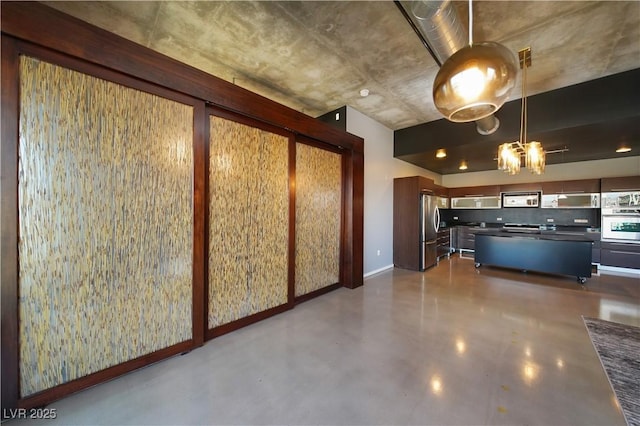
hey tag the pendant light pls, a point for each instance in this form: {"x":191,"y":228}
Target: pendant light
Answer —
{"x":510,"y":153}
{"x":475,"y":81}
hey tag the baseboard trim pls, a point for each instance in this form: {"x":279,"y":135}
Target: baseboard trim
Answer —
{"x":615,"y":270}
{"x":377,"y":271}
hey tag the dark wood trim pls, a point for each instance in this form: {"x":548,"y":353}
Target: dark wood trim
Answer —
{"x":48,"y":27}
{"x":291,"y":291}
{"x":200,"y":223}
{"x":247,"y":121}
{"x":320,"y":144}
{"x":53,"y":394}
{"x":79,"y":65}
{"x":346,"y":252}
{"x":354,"y":222}
{"x":9,"y":223}
{"x":357,"y":221}
{"x":243,"y":322}
{"x":345,"y":264}
{"x":205,"y":212}
{"x":318,"y":292}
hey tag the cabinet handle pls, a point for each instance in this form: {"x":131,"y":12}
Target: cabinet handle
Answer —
{"x":623,"y":189}
{"x":619,"y":244}
{"x":624,"y":252}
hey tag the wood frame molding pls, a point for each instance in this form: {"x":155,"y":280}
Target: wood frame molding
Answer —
{"x":217,"y":331}
{"x":318,"y":292}
{"x":52,"y":35}
{"x":11,"y":51}
{"x":9,"y":214}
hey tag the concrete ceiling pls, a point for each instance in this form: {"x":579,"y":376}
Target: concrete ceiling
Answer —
{"x":316,"y":56}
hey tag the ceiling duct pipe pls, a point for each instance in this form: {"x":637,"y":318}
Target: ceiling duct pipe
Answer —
{"x":445,"y":35}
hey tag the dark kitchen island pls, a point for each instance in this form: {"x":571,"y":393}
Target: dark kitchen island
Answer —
{"x":550,"y":253}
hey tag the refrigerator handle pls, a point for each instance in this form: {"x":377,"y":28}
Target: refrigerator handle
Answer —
{"x":436,"y":219}
{"x":423,"y":218}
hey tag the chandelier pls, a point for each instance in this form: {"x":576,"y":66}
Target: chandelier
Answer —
{"x":510,"y":153}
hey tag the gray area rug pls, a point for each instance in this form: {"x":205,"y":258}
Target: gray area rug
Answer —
{"x":618,"y":346}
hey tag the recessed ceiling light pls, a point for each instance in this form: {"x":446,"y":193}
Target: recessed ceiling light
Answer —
{"x":463,"y":165}
{"x":623,"y":149}
{"x":364,"y":93}
{"x":441,"y":153}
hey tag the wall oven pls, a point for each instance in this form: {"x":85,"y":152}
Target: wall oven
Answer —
{"x":621,"y":224}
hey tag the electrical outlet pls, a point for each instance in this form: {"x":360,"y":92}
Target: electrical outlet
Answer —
{"x":550,"y":220}
{"x":378,"y":252}
{"x":499,"y":219}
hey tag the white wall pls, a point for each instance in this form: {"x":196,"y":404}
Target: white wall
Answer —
{"x":380,"y":168}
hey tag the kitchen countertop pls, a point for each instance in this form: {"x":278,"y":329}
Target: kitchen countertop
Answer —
{"x":544,"y":229}
{"x":542,"y":235}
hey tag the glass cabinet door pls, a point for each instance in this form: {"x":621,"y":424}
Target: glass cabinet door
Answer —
{"x":485,"y":202}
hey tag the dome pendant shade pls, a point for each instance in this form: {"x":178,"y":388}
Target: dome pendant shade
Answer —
{"x":475,"y":82}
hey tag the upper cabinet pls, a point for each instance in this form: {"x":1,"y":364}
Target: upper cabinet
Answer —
{"x":441,"y":191}
{"x":571,"y":186}
{"x":425,"y":185}
{"x":620,"y":184}
{"x":475,"y":197}
{"x":571,"y":194}
{"x":582,"y":200}
{"x":476,"y":202}
{"x":475,"y":191}
{"x":521,"y":187}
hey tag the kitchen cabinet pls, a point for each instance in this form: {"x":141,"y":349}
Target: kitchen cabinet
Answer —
{"x":475,"y":191}
{"x":453,"y":238}
{"x":620,"y":184}
{"x":475,"y":197}
{"x":593,"y":236}
{"x":623,"y":255}
{"x":466,"y":237}
{"x":466,"y":240}
{"x":406,"y":222}
{"x":521,"y":187}
{"x":571,"y":186}
{"x":571,"y":194}
{"x":443,"y":245}
{"x":556,"y":254}
{"x":471,"y":202}
{"x":571,"y":201}
{"x":440,"y":191}
{"x":406,"y":219}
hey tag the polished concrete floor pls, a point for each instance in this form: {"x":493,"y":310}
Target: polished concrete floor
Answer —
{"x":452,"y":346}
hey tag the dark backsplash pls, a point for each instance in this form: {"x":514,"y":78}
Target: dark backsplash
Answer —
{"x":524,"y":215}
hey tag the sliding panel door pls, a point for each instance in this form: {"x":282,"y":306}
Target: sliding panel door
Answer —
{"x":105,"y":224}
{"x":248,"y":220}
{"x":318,"y":218}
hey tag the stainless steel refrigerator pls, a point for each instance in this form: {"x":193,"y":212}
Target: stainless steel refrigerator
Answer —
{"x":429,"y":224}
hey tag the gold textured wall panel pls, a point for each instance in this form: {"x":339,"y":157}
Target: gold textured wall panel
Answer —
{"x":318,"y":213}
{"x":248,"y":221}
{"x":105,"y":224}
